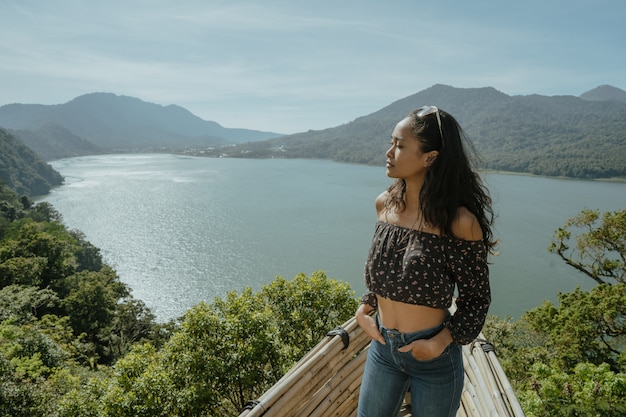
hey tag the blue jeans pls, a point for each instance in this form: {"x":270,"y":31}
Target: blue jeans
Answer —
{"x":436,"y":384}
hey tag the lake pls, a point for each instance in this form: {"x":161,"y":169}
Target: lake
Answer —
{"x":179,"y":230}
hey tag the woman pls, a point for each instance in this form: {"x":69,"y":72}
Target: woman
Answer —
{"x":433,"y":234}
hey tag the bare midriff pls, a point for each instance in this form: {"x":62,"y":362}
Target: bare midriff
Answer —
{"x":408,"y":318}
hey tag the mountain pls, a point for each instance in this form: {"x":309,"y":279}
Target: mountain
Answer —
{"x":580,"y":137}
{"x":121,"y":123}
{"x":605,"y":93}
{"x":52,"y":141}
{"x":22,"y":170}
{"x":555,"y":136}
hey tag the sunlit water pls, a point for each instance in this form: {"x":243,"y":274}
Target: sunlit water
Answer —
{"x":179,"y":230}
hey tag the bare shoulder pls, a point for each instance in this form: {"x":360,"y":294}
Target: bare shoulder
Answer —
{"x":380,"y":201}
{"x":466,"y":226}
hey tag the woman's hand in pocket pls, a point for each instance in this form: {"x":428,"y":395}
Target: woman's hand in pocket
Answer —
{"x":427,"y":349}
{"x":368,"y":323}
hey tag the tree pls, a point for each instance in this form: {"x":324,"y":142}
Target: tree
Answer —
{"x":575,"y":348}
{"x":61,"y":309}
{"x":21,"y":303}
{"x":90,"y":300}
{"x":585,"y":327}
{"x":568,"y":359}
{"x":132,"y":323}
{"x":88,"y":256}
{"x":589,"y":390}
{"x":48,"y":242}
{"x":600,"y":251}
{"x":308,"y":307}
{"x":224,"y":354}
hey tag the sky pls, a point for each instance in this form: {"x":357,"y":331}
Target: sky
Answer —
{"x":290,"y":66}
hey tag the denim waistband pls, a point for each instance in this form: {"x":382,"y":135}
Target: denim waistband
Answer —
{"x":406,"y":338}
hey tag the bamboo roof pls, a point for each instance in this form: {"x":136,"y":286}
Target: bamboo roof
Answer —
{"x":326,"y":382}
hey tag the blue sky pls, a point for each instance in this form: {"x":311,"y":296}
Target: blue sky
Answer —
{"x":291,"y":66}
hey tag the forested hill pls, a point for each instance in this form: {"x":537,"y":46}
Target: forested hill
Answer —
{"x":52,"y":142}
{"x":22,"y":170}
{"x":581,"y":137}
{"x":556,"y":136}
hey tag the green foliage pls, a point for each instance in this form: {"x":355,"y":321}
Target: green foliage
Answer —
{"x":600,"y":251}
{"x":64,"y":315}
{"x":81,"y":397}
{"x":45,"y":246}
{"x":90,"y":300}
{"x":589,"y":390}
{"x":586,"y":327}
{"x":21,"y":303}
{"x":517,"y":345}
{"x":22,"y":169}
{"x":248,"y":356}
{"x":64,"y":310}
{"x":87,"y":255}
{"x":568,"y":359}
{"x":546,"y":378}
{"x":308,"y":308}
{"x":223,"y":355}
{"x":19,"y":397}
{"x":133,"y":323}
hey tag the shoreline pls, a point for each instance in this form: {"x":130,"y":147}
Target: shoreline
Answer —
{"x":203,"y":155}
{"x":529,"y":174}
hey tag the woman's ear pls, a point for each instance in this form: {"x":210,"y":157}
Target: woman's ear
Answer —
{"x":432,"y":155}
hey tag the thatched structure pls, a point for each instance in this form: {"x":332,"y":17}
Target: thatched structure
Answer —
{"x":326,"y":382}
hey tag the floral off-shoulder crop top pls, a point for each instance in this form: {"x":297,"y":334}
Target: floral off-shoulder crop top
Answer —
{"x":421,"y":268}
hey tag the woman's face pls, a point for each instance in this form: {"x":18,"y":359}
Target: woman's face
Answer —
{"x":405,"y":158}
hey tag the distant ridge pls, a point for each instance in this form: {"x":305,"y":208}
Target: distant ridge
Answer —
{"x":121,"y":123}
{"x":554,"y":136}
{"x":579,"y":137}
{"x":52,"y":141}
{"x":605,"y":93}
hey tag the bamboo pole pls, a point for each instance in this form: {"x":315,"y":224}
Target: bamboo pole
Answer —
{"x":510,"y":396}
{"x":336,"y":388}
{"x":490,"y":382}
{"x":285,"y":384}
{"x":481,"y":388}
{"x":336,"y":399}
{"x":327,"y":381}
{"x":461,"y":412}
{"x":340,"y":391}
{"x":468,"y":401}
{"x":475,"y":406}
{"x":309,"y":373}
{"x":310,"y":381}
{"x":471,"y":379}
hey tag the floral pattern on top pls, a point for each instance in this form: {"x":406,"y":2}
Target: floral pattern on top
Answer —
{"x":420,"y":268}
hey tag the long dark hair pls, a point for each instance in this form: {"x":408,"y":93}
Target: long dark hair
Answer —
{"x":451,"y":180}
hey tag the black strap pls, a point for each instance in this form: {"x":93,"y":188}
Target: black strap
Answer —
{"x":486,"y":345}
{"x":345,"y":337}
{"x":250,"y":405}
